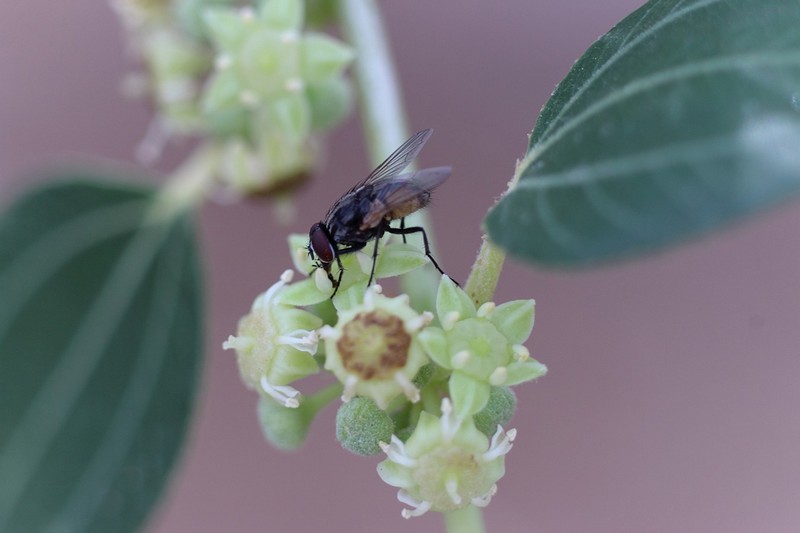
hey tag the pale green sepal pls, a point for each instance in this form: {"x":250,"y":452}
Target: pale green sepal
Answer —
{"x":225,"y":28}
{"x":525,"y":371}
{"x":398,"y":259}
{"x":291,"y":115}
{"x":323,"y":57}
{"x":291,"y":366}
{"x":451,"y":299}
{"x":514,"y":320}
{"x":302,"y":293}
{"x":434,"y":342}
{"x":222,"y":92}
{"x":469,"y":395}
{"x":394,"y":474}
{"x":282,"y":14}
{"x":298,"y":248}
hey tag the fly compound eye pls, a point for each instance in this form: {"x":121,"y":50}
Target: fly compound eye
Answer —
{"x":320,"y":243}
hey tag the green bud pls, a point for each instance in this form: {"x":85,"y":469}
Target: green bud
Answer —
{"x":361,"y":425}
{"x":323,"y":57}
{"x":331,"y":102}
{"x":498,"y":411}
{"x":284,"y":427}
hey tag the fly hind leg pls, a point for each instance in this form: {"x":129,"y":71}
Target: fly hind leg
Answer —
{"x":419,"y":229}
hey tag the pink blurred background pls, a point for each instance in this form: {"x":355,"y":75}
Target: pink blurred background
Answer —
{"x":672,"y":399}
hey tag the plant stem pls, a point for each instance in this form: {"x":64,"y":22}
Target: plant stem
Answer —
{"x":188,"y":185}
{"x":487,"y":267}
{"x":466,"y":520}
{"x":383,"y":115}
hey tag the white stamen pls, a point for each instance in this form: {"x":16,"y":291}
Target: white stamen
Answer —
{"x":499,"y":376}
{"x":409,"y":389}
{"x":287,"y":276}
{"x":290,"y":36}
{"x":451,"y":487}
{"x":521,"y":353}
{"x":321,"y":281}
{"x":283,"y":393}
{"x":248,"y":14}
{"x":223,"y":61}
{"x":486,"y":309}
{"x":396,"y":452}
{"x":301,"y":339}
{"x":237,"y":343}
{"x":248,"y":98}
{"x":404,"y":299}
{"x":449,"y":421}
{"x":153,"y":142}
{"x":327,"y":332}
{"x":266,"y":298}
{"x":501,"y":444}
{"x":300,"y":255}
{"x":483,"y":501}
{"x":419,"y":507}
{"x":419,"y":322}
{"x":450,"y":319}
{"x":460,"y":359}
{"x":295,"y":85}
{"x":349,"y":388}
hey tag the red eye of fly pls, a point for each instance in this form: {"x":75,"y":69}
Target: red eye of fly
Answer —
{"x":320,"y":243}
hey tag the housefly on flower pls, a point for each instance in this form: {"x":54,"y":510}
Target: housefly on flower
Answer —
{"x":366,"y":211}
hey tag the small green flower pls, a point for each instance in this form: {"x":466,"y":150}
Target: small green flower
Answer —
{"x":445,"y":464}
{"x":272,"y":87}
{"x":274,"y":345}
{"x":373,"y":349}
{"x":482,"y":347}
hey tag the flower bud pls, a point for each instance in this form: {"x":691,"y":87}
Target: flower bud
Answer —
{"x":361,"y":426}
{"x":498,"y":411}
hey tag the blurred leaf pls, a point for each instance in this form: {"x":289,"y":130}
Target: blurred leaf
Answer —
{"x":684,"y":116}
{"x":100,"y":345}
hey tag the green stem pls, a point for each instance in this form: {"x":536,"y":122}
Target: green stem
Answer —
{"x":383,"y":115}
{"x":323,"y":397}
{"x":487,"y":267}
{"x":466,"y":520}
{"x":188,"y":185}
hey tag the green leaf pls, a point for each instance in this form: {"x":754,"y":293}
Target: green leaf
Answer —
{"x":684,"y":116}
{"x":100,"y":345}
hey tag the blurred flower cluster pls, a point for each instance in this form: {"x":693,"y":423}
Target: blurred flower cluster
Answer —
{"x":248,"y":77}
{"x":428,"y":387}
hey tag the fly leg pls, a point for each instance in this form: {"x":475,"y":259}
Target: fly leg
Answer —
{"x":338,"y":252}
{"x":403,"y":227}
{"x":374,"y":258}
{"x":420,"y":229}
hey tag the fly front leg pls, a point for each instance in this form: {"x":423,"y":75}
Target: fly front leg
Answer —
{"x":337,"y":253}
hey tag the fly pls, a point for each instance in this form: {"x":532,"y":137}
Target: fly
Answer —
{"x":365,"y":212}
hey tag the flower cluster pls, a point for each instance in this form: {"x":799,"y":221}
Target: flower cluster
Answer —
{"x":429,"y":388}
{"x":252,"y":79}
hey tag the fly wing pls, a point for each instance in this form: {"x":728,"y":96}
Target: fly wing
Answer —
{"x":403,"y":195}
{"x":399,"y":160}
